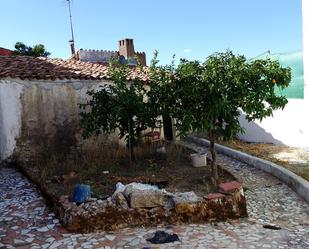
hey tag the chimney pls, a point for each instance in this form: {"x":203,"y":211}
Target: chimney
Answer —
{"x":126,"y":48}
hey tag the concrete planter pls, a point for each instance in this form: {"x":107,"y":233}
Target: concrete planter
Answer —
{"x":199,"y":160}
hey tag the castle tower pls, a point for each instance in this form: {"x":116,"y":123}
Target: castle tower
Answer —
{"x":126,"y":48}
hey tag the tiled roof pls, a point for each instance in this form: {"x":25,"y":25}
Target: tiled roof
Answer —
{"x":5,"y":51}
{"x":39,"y":68}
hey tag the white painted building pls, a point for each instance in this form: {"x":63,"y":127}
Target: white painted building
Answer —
{"x":291,"y":125}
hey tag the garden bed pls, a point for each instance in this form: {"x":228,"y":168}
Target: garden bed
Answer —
{"x":103,"y":166}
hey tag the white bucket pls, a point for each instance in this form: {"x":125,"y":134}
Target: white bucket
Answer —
{"x":199,"y":160}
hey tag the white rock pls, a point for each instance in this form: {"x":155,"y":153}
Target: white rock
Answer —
{"x":185,"y":197}
{"x":132,"y":187}
{"x":119,"y":189}
{"x":55,"y":245}
{"x":29,"y":240}
{"x":50,"y":226}
{"x":110,"y":237}
{"x":55,"y":221}
{"x":43,"y":229}
{"x":18,"y":242}
{"x":25,"y":231}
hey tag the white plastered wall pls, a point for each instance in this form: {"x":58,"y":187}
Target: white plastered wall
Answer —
{"x":291,"y":125}
{"x":40,"y":106}
{"x":10,"y":116}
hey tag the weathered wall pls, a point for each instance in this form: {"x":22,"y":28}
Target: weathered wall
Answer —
{"x":96,"y":55}
{"x":10,"y":116}
{"x":290,"y":126}
{"x":43,"y":114}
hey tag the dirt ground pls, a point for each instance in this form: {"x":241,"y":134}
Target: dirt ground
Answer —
{"x":293,"y":158}
{"x":102,"y":167}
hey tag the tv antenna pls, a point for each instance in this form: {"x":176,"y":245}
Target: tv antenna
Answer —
{"x":72,"y":45}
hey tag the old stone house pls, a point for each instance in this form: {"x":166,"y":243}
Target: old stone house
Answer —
{"x":40,"y":97}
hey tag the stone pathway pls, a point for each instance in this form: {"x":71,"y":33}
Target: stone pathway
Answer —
{"x":295,"y":159}
{"x":26,"y":222}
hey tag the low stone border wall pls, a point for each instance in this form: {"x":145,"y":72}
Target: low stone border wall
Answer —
{"x":96,"y":214}
{"x":297,"y":183}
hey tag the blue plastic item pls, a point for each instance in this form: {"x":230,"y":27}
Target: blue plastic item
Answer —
{"x":81,"y":193}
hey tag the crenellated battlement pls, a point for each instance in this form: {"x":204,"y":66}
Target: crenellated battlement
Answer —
{"x":141,"y":57}
{"x":92,"y":55}
{"x":126,"y":53}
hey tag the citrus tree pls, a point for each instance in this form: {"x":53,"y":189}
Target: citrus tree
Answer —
{"x":210,"y":96}
{"x":161,"y":79}
{"x":121,"y":105}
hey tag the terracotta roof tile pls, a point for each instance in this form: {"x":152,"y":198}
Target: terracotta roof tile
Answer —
{"x":39,"y":68}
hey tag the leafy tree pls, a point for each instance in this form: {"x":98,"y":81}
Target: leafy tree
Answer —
{"x":205,"y":96}
{"x":35,"y":51}
{"x":161,"y":78}
{"x":122,"y":105}
{"x":209,"y":96}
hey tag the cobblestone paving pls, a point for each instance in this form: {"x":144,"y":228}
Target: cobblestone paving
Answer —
{"x":26,"y":222}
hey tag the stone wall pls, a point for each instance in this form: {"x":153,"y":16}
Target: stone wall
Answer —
{"x":126,"y":51}
{"x":41,"y":113}
{"x":141,"y":56}
{"x":96,"y":55}
{"x":98,"y":215}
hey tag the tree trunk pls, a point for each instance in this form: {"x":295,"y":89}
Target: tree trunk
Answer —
{"x":130,"y":141}
{"x":214,"y":167}
{"x":132,"y":154}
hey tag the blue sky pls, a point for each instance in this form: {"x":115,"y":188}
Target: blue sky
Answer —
{"x":190,"y":29}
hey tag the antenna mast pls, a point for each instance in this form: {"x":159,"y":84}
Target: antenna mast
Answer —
{"x":72,"y":45}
